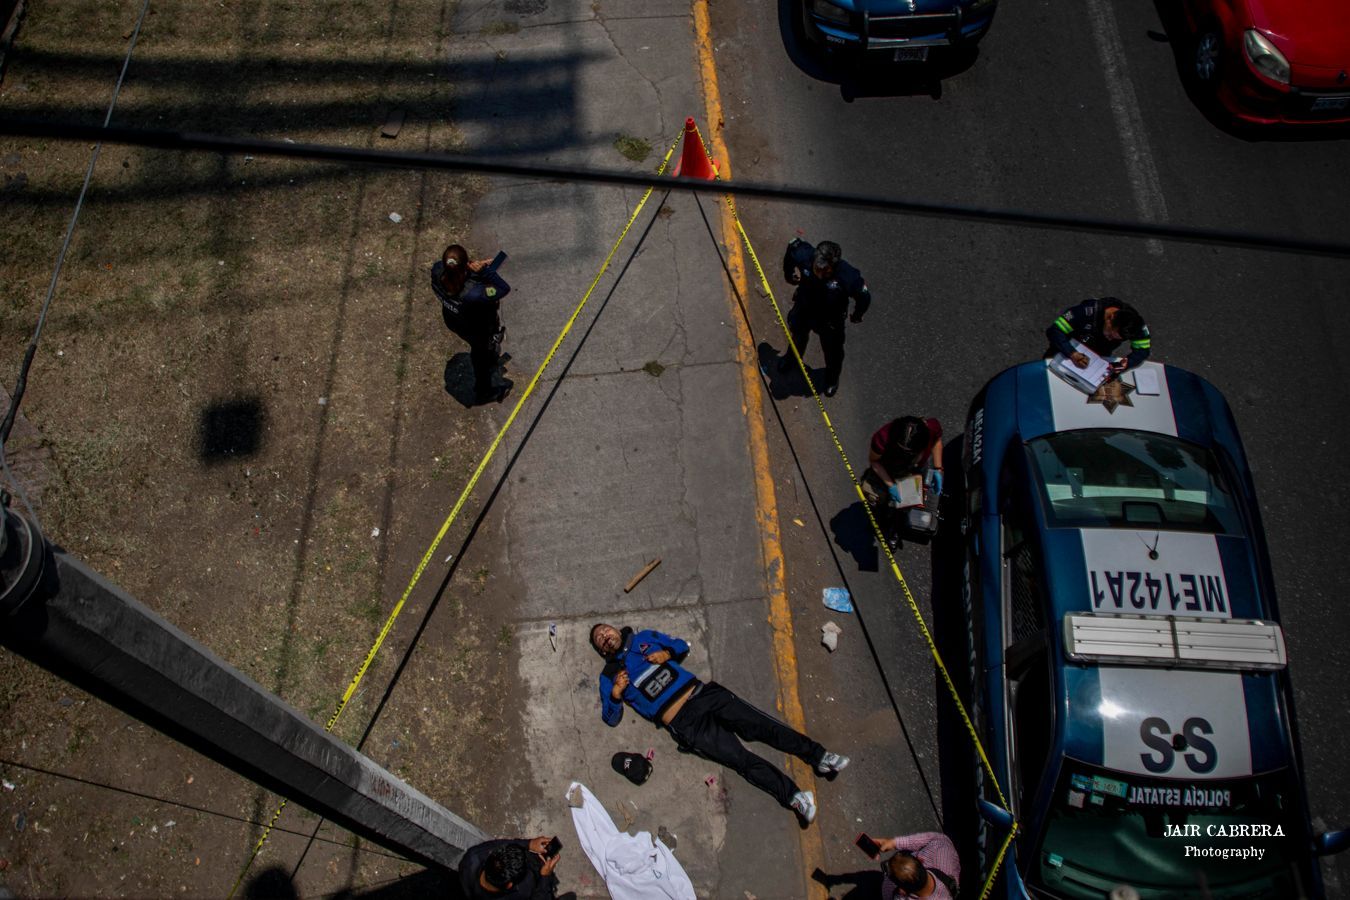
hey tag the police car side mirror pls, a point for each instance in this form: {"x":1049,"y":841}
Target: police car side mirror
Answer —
{"x":1331,"y":842}
{"x":995,"y":815}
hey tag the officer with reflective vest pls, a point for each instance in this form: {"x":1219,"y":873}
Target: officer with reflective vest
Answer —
{"x":825,"y":283}
{"x":1100,"y":325}
{"x":470,"y":293}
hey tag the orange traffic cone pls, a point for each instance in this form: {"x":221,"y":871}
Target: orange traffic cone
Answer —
{"x":694,"y":161}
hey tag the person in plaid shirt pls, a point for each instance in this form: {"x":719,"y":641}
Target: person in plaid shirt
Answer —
{"x":924,"y":865}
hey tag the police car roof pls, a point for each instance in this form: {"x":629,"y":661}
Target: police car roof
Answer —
{"x":1151,"y":397}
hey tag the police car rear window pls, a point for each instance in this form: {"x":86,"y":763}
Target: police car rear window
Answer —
{"x":1101,"y":478}
{"x":1228,"y":839}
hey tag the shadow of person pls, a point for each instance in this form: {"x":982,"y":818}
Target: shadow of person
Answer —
{"x":788,"y":382}
{"x":853,"y":534}
{"x":865,"y":885}
{"x":459,"y":382}
{"x":272,"y":883}
{"x":459,"y":379}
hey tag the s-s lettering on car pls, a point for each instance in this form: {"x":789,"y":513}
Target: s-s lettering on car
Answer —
{"x":1128,"y":668}
{"x":1271,"y":61}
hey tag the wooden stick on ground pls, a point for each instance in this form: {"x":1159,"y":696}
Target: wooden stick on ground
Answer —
{"x":646,"y":570}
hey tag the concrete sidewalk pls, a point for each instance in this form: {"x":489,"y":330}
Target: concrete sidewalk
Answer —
{"x":625,"y":463}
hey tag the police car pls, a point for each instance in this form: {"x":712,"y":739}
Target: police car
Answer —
{"x":1127,"y":664}
{"x":902,"y":30}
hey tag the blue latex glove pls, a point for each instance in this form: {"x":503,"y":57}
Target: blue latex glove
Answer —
{"x":937,"y":477}
{"x":895,"y":493}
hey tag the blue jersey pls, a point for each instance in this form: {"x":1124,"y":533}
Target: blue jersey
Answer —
{"x":651,"y":686}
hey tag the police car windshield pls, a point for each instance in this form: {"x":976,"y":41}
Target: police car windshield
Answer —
{"x":1229,"y":838}
{"x":1100,"y":478}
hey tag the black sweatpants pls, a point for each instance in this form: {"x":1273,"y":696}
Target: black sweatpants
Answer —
{"x":710,"y":723}
{"x":482,"y":332}
{"x":831,"y":331}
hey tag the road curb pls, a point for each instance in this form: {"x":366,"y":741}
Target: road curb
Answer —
{"x":766,"y":512}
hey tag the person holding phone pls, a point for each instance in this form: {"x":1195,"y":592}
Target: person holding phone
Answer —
{"x":643,"y":670}
{"x":1100,"y":324}
{"x":867,"y":844}
{"x":924,"y":865}
{"x":511,"y":869}
{"x":471,"y":292}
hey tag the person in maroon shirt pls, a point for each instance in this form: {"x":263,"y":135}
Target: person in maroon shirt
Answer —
{"x":905,"y":446}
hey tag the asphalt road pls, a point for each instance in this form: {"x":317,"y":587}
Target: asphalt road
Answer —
{"x":1076,"y":110}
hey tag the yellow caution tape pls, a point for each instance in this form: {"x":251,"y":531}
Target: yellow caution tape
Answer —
{"x":468,"y":489}
{"x":998,"y":860}
{"x":881,"y":539}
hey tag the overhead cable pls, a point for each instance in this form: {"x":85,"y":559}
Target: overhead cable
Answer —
{"x":165,"y":139}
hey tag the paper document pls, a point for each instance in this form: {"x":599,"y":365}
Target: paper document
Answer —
{"x":911,"y":490}
{"x":1087,"y":379}
{"x":1146,"y":382}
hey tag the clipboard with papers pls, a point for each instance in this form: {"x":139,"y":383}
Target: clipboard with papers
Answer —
{"x":910,"y":488}
{"x":1087,"y":379}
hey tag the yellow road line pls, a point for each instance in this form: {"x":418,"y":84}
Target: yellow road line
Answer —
{"x":780,"y":613}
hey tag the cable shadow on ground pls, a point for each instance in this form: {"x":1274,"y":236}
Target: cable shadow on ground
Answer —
{"x":281,"y":675}
{"x":820,"y":521}
{"x":489,"y":502}
{"x":537,"y":109}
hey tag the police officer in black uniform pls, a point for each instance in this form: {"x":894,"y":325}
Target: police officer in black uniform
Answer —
{"x":825,"y":282}
{"x":1100,"y":324}
{"x":470,"y":292}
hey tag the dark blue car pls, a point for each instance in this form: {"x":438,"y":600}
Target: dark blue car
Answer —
{"x":1127,"y":663}
{"x":903,"y":30}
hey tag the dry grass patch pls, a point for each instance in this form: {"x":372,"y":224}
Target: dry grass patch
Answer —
{"x":240,"y":380}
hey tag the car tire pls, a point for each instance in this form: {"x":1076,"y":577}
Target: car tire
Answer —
{"x":805,"y":29}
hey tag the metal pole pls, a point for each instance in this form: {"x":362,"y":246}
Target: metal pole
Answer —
{"x":68,"y":619}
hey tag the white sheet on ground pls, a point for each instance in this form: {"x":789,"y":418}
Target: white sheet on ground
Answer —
{"x":633,"y":867}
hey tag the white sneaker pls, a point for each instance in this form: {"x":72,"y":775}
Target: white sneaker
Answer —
{"x":804,"y":805}
{"x":831,"y":762}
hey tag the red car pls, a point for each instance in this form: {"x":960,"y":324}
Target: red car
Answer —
{"x":1269,"y":61}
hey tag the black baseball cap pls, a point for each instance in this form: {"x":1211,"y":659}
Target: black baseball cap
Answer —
{"x":632,"y":766}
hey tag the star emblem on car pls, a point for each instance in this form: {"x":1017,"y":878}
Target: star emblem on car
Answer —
{"x":1112,"y":393}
